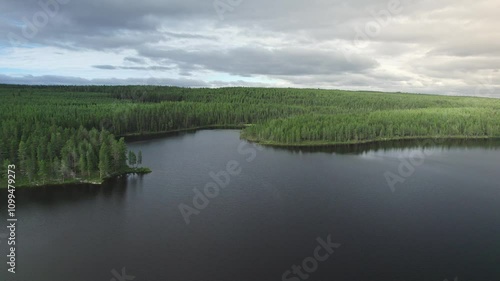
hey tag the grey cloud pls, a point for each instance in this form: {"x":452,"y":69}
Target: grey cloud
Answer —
{"x":322,"y":19}
{"x":108,"y":67}
{"x":248,"y":61}
{"x":188,"y":35}
{"x":134,"y":60}
{"x":469,"y":47}
{"x":287,"y":40}
{"x":112,"y":67}
{"x":463,"y":64}
{"x":82,"y":21}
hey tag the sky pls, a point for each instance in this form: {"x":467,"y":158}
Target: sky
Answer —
{"x":420,"y":46}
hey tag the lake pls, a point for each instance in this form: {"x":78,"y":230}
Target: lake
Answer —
{"x":217,"y":208}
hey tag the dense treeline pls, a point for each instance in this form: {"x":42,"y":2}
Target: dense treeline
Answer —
{"x":379,"y":125}
{"x":58,"y":132}
{"x":52,"y":153}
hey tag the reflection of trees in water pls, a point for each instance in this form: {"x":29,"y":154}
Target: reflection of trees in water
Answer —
{"x":60,"y":195}
{"x":492,"y":144}
{"x":178,"y":134}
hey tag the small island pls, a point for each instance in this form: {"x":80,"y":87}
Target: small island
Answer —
{"x":67,"y":156}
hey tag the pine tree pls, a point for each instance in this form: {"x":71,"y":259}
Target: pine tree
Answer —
{"x":91,"y":161}
{"x":82,"y":163}
{"x":104,"y":160}
{"x":3,"y":151}
{"x":139,"y":158}
{"x":64,"y":169}
{"x":56,"y":164}
{"x":43,"y":170}
{"x":132,"y":158}
{"x":4,"y":168}
{"x":122,"y":154}
{"x":22,"y":156}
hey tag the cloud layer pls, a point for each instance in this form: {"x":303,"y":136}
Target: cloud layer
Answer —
{"x":442,"y":47}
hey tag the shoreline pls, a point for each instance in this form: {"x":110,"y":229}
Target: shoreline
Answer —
{"x":379,"y":141}
{"x":93,"y":181}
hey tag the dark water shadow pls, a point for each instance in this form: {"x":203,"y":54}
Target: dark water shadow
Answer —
{"x":491,"y":144}
{"x":51,"y":195}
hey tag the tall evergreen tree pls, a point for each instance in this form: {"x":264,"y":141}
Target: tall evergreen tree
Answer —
{"x":121,"y":148}
{"x":104,"y":160}
{"x":43,"y":170}
{"x":132,"y":158}
{"x":139,"y":158}
{"x":22,"y":157}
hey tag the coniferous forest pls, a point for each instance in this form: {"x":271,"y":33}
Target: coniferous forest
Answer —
{"x":60,"y":134}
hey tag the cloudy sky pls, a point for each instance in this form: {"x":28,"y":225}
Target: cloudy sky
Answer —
{"x":423,"y":46}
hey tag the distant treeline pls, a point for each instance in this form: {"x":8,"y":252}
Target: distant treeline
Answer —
{"x":70,"y":131}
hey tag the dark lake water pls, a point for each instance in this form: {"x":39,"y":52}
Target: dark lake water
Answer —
{"x":440,"y":218}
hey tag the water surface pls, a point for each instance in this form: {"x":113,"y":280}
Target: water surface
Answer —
{"x":442,"y":221}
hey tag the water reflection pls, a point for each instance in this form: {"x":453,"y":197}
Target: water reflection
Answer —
{"x":355,"y":149}
{"x":49,"y":196}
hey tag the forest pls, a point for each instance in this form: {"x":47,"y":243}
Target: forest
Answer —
{"x":75,"y":133}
